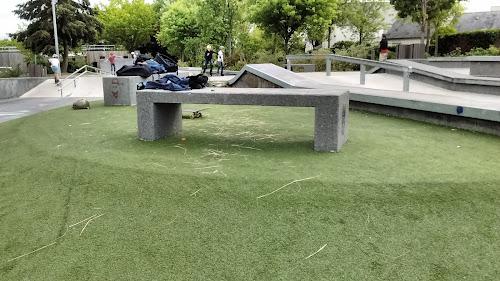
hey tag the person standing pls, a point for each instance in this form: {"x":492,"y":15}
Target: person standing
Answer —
{"x":384,"y":45}
{"x":111,"y":60}
{"x":220,"y":61}
{"x":209,"y":59}
{"x":134,"y":57}
{"x":56,"y":67}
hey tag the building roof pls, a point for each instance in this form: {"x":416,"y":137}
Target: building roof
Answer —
{"x":467,"y":22}
{"x":479,"y":21}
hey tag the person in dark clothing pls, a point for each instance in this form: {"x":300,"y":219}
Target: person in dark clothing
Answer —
{"x":384,"y":45}
{"x":209,"y":59}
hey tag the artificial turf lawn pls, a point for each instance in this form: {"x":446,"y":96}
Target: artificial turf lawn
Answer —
{"x":403,"y":200}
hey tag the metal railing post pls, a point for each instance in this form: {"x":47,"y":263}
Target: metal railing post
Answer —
{"x":288,"y":64}
{"x":362,"y":74}
{"x":328,"y":67}
{"x":406,"y":79}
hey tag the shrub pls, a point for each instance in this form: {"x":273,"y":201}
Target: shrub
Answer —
{"x":341,"y":45}
{"x":491,"y":51}
{"x":357,"y":51}
{"x":14,"y":72}
{"x":320,"y":63}
{"x":277,"y":58}
{"x":469,"y":40}
{"x":455,"y":53}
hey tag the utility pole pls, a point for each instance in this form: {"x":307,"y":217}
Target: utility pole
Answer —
{"x":55,"y":26}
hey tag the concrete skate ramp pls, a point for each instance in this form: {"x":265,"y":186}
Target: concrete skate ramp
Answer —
{"x":269,"y":75}
{"x":86,"y":86}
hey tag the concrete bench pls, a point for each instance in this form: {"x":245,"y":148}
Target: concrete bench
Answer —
{"x":159,"y":113}
{"x":306,"y":67}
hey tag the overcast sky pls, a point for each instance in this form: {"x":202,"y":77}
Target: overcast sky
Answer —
{"x":9,"y":22}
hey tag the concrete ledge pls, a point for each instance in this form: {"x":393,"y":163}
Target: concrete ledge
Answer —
{"x":450,"y":80}
{"x":472,"y":124}
{"x":159,"y":112}
{"x":485,"y":68}
{"x":16,"y":87}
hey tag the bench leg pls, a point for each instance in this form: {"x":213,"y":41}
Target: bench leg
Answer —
{"x":158,"y":120}
{"x":330,"y":125}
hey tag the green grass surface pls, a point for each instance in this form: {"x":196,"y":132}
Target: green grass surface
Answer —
{"x":403,"y":200}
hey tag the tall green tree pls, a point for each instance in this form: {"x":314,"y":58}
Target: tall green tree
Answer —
{"x":76,"y":24}
{"x":285,"y":17}
{"x":444,"y":18}
{"x":422,"y":12}
{"x":129,"y":23}
{"x":364,"y":17}
{"x":179,"y":30}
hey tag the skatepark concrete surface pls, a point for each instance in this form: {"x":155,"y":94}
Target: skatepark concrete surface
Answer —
{"x":86,"y":87}
{"x":20,"y":107}
{"x":380,"y":88}
{"x":394,"y":83}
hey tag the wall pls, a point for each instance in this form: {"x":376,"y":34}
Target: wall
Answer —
{"x":16,"y":87}
{"x":12,"y":59}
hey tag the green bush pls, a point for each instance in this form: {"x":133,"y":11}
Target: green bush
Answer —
{"x":466,"y":41}
{"x":341,"y":45}
{"x":319,"y":62}
{"x":357,"y":51}
{"x":491,"y":51}
{"x":10,"y":73}
{"x":455,"y":53}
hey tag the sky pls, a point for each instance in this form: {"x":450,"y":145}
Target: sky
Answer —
{"x":9,"y":22}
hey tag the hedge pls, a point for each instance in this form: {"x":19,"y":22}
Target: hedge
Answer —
{"x":469,"y":40}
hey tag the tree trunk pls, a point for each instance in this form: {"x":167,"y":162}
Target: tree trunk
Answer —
{"x":275,"y":43}
{"x":437,"y":43}
{"x":329,"y":37}
{"x":428,"y":43}
{"x":423,"y":24}
{"x":286,"y":49}
{"x":64,"y":66}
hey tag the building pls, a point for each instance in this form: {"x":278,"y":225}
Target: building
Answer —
{"x":344,"y":33}
{"x":402,"y":32}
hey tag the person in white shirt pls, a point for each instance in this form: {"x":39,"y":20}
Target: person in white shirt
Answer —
{"x":220,"y":61}
{"x":56,"y":67}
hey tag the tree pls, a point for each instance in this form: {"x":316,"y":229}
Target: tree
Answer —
{"x":364,"y":18}
{"x":179,"y":28}
{"x":128,"y":23}
{"x":285,"y":17}
{"x":444,"y":18}
{"x":76,"y":23}
{"x":422,"y":12}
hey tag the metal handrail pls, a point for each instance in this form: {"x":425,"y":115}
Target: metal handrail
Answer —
{"x":98,"y":72}
{"x":362,"y":62}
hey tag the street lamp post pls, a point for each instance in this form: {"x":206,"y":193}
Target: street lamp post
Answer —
{"x":55,"y":26}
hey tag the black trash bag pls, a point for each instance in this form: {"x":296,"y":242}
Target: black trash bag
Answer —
{"x":134,"y":70}
{"x":198,"y":81}
{"x":167,"y":62}
{"x":141,"y":58}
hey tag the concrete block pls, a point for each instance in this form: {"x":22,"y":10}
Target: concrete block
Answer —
{"x":120,"y":90}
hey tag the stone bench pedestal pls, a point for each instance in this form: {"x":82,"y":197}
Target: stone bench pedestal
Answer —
{"x":121,"y":90}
